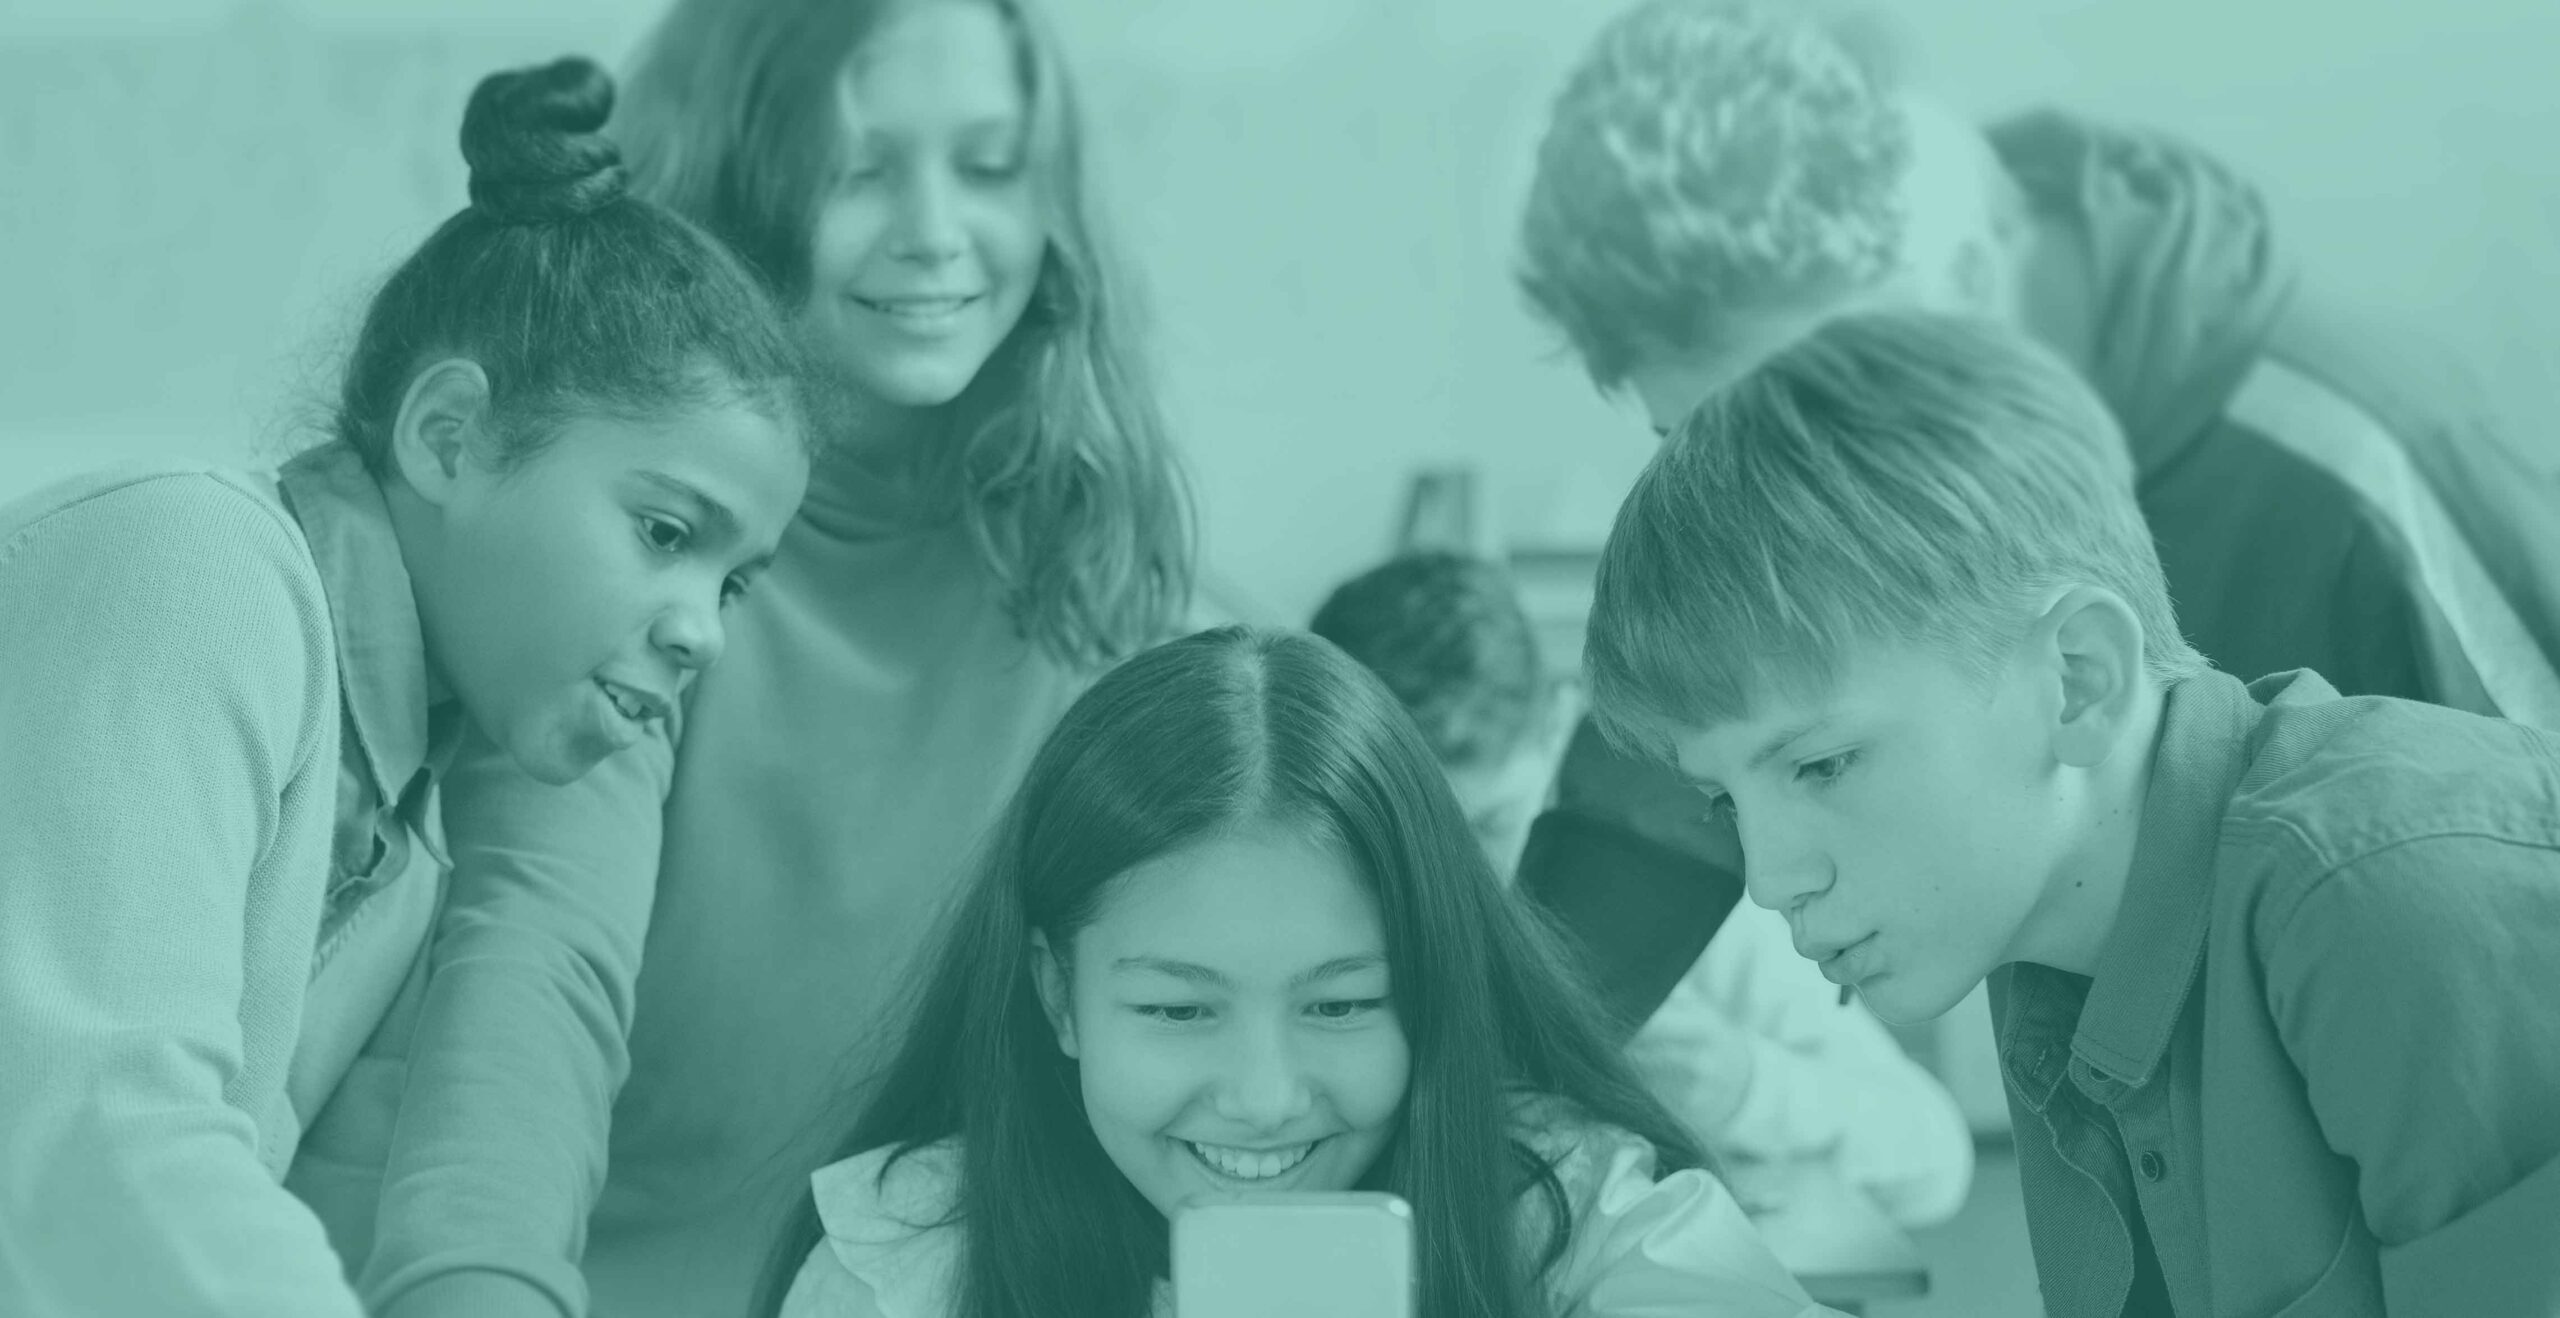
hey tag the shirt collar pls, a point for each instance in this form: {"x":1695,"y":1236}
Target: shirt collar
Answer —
{"x":382,"y":654}
{"x":2150,"y":960}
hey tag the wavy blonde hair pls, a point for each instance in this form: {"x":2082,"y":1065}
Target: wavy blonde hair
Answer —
{"x":1067,"y":481}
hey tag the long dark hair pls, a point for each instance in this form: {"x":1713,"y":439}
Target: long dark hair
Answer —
{"x":1223,"y":729}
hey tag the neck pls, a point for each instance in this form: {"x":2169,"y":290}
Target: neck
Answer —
{"x":414,"y":524}
{"x":2073,"y":919}
{"x":899,"y":456}
{"x":856,"y":421}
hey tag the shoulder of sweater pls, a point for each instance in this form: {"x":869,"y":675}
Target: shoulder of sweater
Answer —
{"x":175,"y":569}
{"x":160,"y":509}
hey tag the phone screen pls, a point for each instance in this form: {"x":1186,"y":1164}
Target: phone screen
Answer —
{"x":1288,"y":1255}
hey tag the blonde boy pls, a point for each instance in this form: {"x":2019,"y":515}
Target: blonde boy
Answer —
{"x":2272,"y":970}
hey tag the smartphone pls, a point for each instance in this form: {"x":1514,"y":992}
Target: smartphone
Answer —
{"x":1287,"y":1255}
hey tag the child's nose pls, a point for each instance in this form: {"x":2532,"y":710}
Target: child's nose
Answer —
{"x":1266,"y":1086}
{"x":1781,"y":868}
{"x":691,"y":634}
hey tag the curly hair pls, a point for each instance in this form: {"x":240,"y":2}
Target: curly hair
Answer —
{"x":1446,"y":633}
{"x":1710,"y":162}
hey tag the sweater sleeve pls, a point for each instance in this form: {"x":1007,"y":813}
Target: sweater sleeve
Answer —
{"x":167,"y":689}
{"x":1649,"y":1246}
{"x":521,"y":1042}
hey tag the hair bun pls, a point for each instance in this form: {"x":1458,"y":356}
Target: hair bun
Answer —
{"x":535,"y":143}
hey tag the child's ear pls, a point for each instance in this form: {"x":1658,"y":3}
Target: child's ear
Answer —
{"x":444,"y":410}
{"x":1049,"y":976}
{"x":2094,"y":644}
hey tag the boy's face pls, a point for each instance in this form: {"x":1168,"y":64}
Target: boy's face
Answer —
{"x":1909,"y":822}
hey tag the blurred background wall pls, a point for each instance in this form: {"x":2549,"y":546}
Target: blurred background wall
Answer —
{"x":195,"y":196}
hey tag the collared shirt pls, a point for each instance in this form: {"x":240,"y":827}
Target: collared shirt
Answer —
{"x":2320,"y":1059}
{"x":389,"y":754}
{"x":398,"y":732}
{"x":212,"y":732}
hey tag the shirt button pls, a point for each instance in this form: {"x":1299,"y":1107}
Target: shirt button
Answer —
{"x":2152,"y":1168}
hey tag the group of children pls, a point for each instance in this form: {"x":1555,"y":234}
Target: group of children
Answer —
{"x":684,"y":802}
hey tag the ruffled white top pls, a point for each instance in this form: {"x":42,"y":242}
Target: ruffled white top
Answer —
{"x":1643,"y":1246}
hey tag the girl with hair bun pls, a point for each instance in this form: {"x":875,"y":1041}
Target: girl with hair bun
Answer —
{"x":569,"y":437}
{"x":997,"y":517}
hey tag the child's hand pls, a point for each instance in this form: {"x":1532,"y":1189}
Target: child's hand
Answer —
{"x":1695,"y":1059}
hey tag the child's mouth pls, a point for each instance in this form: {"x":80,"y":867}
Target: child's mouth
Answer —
{"x":1236,"y":1164}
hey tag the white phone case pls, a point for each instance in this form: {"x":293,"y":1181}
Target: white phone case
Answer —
{"x":1284,"y":1255}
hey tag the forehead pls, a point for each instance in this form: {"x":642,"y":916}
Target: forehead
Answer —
{"x":1243,"y":904}
{"x":1721,"y":751}
{"x":934,"y":63}
{"x":1868,"y":686}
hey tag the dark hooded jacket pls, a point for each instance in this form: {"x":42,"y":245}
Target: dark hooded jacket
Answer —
{"x":2323,"y":497}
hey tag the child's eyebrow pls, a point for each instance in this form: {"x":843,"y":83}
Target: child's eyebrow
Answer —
{"x":1337,"y":968}
{"x":1769,"y":749}
{"x":1186,"y":971}
{"x":716,"y":517}
{"x":717,"y":521}
{"x":1786,"y":737}
{"x":1193,"y":973}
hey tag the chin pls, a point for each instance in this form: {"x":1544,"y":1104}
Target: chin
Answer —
{"x":547,"y":759}
{"x":1896,"y":1002}
{"x":922,"y":385}
{"x":555,"y":771}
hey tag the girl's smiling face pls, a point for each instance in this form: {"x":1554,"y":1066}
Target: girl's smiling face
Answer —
{"x":928,"y":240}
{"x":1230,"y":1013}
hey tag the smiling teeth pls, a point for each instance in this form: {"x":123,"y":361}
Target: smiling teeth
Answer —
{"x":1250,"y":1164}
{"x":919,"y":308}
{"x":621,"y":702}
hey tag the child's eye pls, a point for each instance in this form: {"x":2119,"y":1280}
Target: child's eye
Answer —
{"x":1178,"y":1013}
{"x":1826,"y":771}
{"x":990,"y":171}
{"x":1347,"y":1009}
{"x":664,"y":534}
{"x":733,"y":590}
